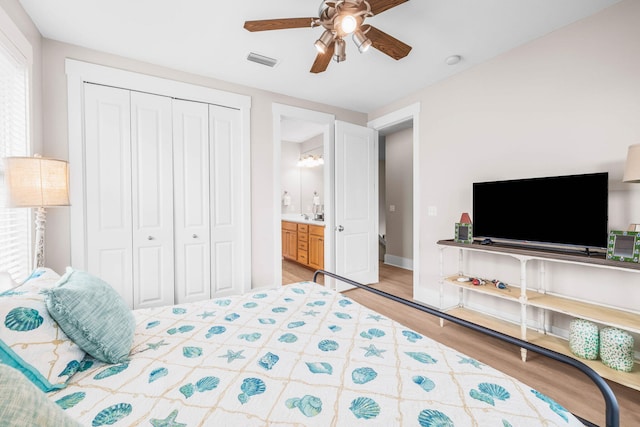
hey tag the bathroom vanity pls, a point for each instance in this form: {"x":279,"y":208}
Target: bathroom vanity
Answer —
{"x":303,"y":241}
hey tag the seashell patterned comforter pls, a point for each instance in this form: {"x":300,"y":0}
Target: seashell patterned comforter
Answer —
{"x":300,"y":355}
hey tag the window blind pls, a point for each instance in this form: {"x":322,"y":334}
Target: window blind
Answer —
{"x":14,"y":141}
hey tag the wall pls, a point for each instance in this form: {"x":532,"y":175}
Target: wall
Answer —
{"x":399,"y":194}
{"x":568,"y":102}
{"x":382,"y":198}
{"x":262,"y":171}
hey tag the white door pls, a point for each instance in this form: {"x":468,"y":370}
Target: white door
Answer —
{"x":191,"y":200}
{"x":356,"y":203}
{"x":225,"y":170}
{"x":152,"y":197}
{"x":108,"y":187}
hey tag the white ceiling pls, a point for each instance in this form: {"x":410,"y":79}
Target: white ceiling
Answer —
{"x":206,"y":37}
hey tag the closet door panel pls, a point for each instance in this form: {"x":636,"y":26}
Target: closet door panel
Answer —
{"x":195,"y":276}
{"x":191,"y":200}
{"x":108,"y":187}
{"x":152,"y":196}
{"x":226,"y":185}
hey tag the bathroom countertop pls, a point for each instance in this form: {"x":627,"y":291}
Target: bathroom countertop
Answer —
{"x":300,"y":219}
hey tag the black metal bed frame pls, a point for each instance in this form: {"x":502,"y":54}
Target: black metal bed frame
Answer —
{"x":612,"y":415}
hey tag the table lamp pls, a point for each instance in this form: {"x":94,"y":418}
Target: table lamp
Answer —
{"x":37,"y":182}
{"x":632,"y":172}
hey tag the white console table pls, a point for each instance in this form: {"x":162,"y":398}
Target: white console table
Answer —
{"x":540,"y":298}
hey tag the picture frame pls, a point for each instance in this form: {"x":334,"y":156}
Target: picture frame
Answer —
{"x":463,"y":232}
{"x":623,"y":246}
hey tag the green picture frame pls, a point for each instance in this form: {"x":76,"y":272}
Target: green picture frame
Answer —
{"x":463,"y":232}
{"x":623,"y":246}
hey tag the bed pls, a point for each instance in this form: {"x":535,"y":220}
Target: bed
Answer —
{"x":297,"y":355}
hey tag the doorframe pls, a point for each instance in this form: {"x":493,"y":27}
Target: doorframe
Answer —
{"x":328,"y":122}
{"x":410,"y":112}
{"x":80,"y":72}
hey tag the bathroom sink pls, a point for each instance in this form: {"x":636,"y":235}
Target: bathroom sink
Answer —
{"x":304,"y":219}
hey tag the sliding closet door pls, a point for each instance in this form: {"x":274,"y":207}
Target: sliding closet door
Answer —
{"x":152,"y":196}
{"x":191,"y":200}
{"x":226,"y":203}
{"x":108,"y":187}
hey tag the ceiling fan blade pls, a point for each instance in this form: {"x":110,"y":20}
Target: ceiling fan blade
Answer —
{"x":379,"y":6}
{"x":322,"y":60}
{"x":278,"y":24}
{"x":386,"y":43}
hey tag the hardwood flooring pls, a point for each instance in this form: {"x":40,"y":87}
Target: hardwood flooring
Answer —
{"x":569,"y":387}
{"x":293,"y":272}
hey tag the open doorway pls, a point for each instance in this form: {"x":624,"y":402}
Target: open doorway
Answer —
{"x":399,"y":207}
{"x":395,"y":211}
{"x":303,"y":194}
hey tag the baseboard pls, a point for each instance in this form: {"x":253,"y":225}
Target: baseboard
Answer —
{"x":397,"y":261}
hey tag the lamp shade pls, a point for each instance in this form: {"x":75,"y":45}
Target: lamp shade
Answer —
{"x":632,"y":166}
{"x":36,"y":182}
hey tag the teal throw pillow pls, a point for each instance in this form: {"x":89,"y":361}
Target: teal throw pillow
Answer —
{"x":93,"y":315}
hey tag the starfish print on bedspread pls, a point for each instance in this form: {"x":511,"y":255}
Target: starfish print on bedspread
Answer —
{"x":170,"y":421}
{"x":233,"y":355}
{"x":155,"y":346}
{"x":373,"y":351}
{"x":470,"y":361}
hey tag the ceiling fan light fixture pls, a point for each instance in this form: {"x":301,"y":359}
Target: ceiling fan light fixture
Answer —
{"x":361,"y":41}
{"x":340,"y":52}
{"x":324,"y":41}
{"x":348,"y":23}
{"x":337,"y":19}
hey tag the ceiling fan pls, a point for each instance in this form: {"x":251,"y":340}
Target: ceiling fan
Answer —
{"x":340,"y":18}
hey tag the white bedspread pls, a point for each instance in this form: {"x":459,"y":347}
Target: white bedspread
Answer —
{"x":300,"y":355}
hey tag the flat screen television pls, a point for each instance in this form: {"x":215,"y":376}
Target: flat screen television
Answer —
{"x":569,"y":211}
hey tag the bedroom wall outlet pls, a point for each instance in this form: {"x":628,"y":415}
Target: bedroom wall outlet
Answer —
{"x":392,"y":208}
{"x":432,"y":211}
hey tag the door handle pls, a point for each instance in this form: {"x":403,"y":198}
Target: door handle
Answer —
{"x":150,"y":238}
{"x":340,"y":228}
{"x":195,"y":236}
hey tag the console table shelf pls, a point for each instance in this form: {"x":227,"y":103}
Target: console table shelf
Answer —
{"x":596,"y":313}
{"x":512,"y":293}
{"x":608,"y":316}
{"x":627,"y":379}
{"x":542,"y":300}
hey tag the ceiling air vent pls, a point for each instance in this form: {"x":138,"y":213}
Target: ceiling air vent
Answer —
{"x":261,"y":59}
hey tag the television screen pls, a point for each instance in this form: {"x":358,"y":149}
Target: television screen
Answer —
{"x":562,"y":210}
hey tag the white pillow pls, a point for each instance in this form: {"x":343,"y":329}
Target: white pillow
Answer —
{"x":31,"y":341}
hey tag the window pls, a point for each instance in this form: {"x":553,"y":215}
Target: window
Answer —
{"x":14,"y":141}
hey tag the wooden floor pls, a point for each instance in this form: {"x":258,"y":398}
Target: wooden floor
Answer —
{"x":570,"y":388}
